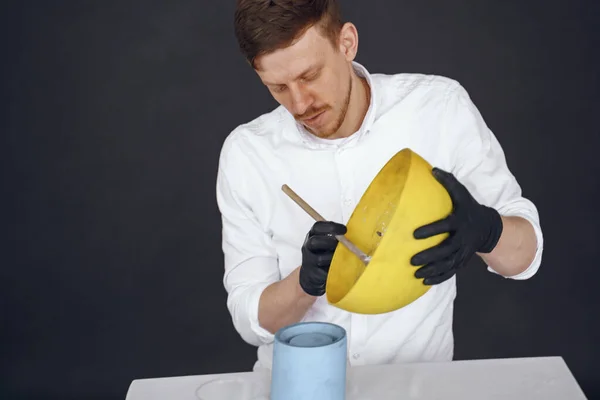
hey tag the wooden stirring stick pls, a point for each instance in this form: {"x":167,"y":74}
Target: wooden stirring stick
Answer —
{"x":317,"y":217}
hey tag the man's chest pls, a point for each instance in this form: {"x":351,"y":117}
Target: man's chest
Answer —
{"x":331,"y":180}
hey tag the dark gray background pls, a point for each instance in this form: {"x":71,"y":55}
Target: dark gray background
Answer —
{"x":112,"y":120}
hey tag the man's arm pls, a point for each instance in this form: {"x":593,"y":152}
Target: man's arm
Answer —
{"x":516,"y":247}
{"x":508,"y":244}
{"x":250,"y":257}
{"x":479,"y":163}
{"x":490,"y":217}
{"x":259,"y":299}
{"x":283,"y":303}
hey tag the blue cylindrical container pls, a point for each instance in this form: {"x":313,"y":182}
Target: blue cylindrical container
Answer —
{"x":309,"y":362}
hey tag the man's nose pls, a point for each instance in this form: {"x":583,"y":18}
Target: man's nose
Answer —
{"x":301,"y":100}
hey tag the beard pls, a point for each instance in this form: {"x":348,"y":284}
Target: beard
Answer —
{"x":339,"y":116}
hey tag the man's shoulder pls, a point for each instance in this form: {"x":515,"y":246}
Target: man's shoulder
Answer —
{"x":404,"y":83}
{"x":415,"y":91}
{"x":262,"y":125}
{"x":248,"y":134}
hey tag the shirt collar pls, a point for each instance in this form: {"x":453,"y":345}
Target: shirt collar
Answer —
{"x":314,"y":142}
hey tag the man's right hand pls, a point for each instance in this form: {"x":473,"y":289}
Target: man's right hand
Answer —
{"x":317,"y":252}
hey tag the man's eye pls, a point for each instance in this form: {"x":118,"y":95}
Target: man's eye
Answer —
{"x":311,"y":77}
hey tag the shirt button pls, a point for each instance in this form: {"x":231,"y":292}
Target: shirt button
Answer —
{"x":356,"y":356}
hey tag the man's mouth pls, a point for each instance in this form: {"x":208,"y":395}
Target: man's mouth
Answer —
{"x":313,"y":118}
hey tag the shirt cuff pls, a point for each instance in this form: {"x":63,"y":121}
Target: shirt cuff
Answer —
{"x":263,"y":335}
{"x":245,"y":284}
{"x":537,"y":260}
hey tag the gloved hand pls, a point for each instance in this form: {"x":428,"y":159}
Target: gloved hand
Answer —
{"x":472,"y":228}
{"x":317,"y":253}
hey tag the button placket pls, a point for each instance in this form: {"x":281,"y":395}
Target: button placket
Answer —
{"x":345,"y":172}
{"x":358,"y":339}
{"x":345,"y":167}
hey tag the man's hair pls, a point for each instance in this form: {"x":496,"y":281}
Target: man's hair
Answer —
{"x":263,"y":26}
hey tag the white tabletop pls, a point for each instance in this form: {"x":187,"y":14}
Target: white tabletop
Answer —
{"x":543,"y":378}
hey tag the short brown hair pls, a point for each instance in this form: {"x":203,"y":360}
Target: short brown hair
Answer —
{"x":263,"y":26}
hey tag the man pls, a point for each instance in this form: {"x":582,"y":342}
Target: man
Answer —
{"x":336,"y":126}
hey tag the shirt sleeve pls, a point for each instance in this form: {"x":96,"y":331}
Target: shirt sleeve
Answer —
{"x":479,"y":163}
{"x":250,"y":259}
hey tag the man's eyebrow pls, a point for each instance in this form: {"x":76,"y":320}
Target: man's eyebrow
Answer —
{"x":305,"y":72}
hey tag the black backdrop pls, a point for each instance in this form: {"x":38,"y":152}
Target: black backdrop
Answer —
{"x":112,"y":120}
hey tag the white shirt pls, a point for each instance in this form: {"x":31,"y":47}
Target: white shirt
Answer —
{"x":263,"y":229}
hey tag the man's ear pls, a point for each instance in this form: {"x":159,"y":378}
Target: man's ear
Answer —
{"x":348,"y":41}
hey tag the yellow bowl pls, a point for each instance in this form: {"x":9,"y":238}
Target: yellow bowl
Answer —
{"x":402,"y":197}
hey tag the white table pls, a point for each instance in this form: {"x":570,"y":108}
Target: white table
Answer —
{"x":539,"y":378}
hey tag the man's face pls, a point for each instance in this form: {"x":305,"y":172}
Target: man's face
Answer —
{"x":312,"y":80}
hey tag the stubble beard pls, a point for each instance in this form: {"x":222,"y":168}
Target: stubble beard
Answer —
{"x":341,"y":117}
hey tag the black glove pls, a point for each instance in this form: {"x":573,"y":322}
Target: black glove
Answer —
{"x":317,"y":253}
{"x":472,"y":228}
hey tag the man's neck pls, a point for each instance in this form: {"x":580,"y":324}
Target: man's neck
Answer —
{"x":358,"y":106}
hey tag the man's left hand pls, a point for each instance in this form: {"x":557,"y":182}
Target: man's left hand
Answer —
{"x":472,"y":227}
